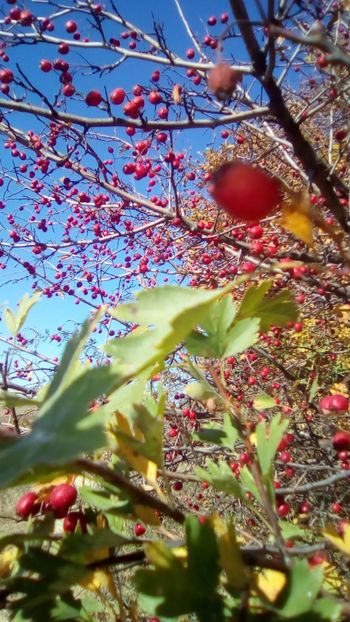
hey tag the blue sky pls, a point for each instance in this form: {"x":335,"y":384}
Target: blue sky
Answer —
{"x":49,"y":314}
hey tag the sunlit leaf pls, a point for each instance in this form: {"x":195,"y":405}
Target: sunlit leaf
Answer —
{"x":269,"y":583}
{"x":296,"y":218}
{"x":339,"y":541}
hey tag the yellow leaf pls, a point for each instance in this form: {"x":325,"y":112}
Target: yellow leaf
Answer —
{"x":146,"y":514}
{"x":342,"y":543}
{"x":296,"y":218}
{"x":97,"y":579}
{"x":269,"y":583}
{"x":7,"y":560}
{"x":177,"y":93}
{"x":332,"y":580}
{"x":339,"y":387}
{"x":230,"y":555}
{"x":253,"y":439}
{"x":140,"y":463}
{"x":46,"y":487}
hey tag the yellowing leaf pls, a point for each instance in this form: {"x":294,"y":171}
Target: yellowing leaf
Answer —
{"x":230,"y":555}
{"x":269,"y":583}
{"x":332,"y":580}
{"x":146,"y":514}
{"x":98,"y":579}
{"x":43,"y":489}
{"x":342,"y":543}
{"x":339,"y":387}
{"x":296,"y":218}
{"x":177,"y":93}
{"x":253,"y":439}
{"x":140,"y":463}
{"x":7,"y":560}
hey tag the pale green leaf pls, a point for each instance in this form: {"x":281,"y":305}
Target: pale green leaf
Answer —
{"x":268,"y":438}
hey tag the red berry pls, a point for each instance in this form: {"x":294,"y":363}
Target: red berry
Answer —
{"x":61,"y":498}
{"x":63,"y":48}
{"x":27,"y":505}
{"x":26,"y":18}
{"x":304,"y":507}
{"x":283,"y":509}
{"x":117,"y":96}
{"x":335,"y":403}
{"x":131,"y":110}
{"x":224,"y":18}
{"x":190,"y":53}
{"x":245,"y":192}
{"x":177,"y":486}
{"x":68,"y":90}
{"x":74,"y":521}
{"x":139,"y":530}
{"x":71,"y":26}
{"x":93,"y":98}
{"x":212,"y":20}
{"x":6,"y":76}
{"x":45,"y":65}
{"x":340,"y":135}
{"x":154,"y":97}
{"x":336,"y":508}
{"x":163,"y":113}
{"x":341,"y":440}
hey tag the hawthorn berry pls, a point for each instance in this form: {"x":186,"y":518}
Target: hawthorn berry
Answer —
{"x":117,"y":96}
{"x":335,"y":403}
{"x":139,"y":530}
{"x":61,"y":498}
{"x":27,"y":505}
{"x":93,"y":98}
{"x":245,"y":192}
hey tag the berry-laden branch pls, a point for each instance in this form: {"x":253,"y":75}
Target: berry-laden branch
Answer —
{"x":316,"y":170}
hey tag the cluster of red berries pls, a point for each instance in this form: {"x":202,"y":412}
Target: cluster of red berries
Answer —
{"x":61,"y":498}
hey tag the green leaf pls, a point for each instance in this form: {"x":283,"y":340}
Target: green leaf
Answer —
{"x":242,"y":336}
{"x":249,"y":484}
{"x":269,"y":437}
{"x":75,"y":547}
{"x":279,"y":309}
{"x":14,"y":322}
{"x":263,"y":401}
{"x":327,"y":608}
{"x":175,"y":587}
{"x":65,"y":429}
{"x":304,"y":583}
{"x":166,"y":316}
{"x":313,"y":389}
{"x":17,"y":399}
{"x":106,"y":501}
{"x":220,"y":476}
{"x":203,"y":391}
{"x":291,"y":531}
{"x":225,"y":435}
{"x":212,"y":342}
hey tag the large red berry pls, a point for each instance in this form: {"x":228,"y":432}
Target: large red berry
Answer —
{"x":71,"y":26}
{"x":27,"y":505}
{"x":117,"y":96}
{"x":335,"y":403}
{"x":341,"y":440}
{"x":93,"y":98}
{"x":246,"y":192}
{"x":61,"y":498}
